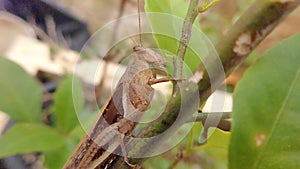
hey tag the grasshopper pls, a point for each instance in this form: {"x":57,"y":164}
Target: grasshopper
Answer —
{"x":130,"y":99}
{"x":121,"y":112}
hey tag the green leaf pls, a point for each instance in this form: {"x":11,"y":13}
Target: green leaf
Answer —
{"x":173,"y":7}
{"x":266,"y":130}
{"x":21,"y":95}
{"x":68,"y":102}
{"x":25,"y":138}
{"x":177,"y":8}
{"x":216,"y":138}
{"x":166,"y":25}
{"x":77,"y":132}
{"x":86,"y":121}
{"x":216,"y":148}
{"x":56,"y":159}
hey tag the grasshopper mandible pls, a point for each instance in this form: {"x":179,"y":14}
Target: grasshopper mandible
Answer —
{"x":118,"y":118}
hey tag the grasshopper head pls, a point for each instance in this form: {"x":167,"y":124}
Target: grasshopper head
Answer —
{"x":150,"y":56}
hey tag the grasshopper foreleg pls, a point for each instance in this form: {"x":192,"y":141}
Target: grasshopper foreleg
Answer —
{"x":163,"y":79}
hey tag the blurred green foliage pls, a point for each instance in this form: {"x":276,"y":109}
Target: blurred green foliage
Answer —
{"x":20,"y":98}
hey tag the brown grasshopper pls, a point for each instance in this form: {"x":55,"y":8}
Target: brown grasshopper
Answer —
{"x":131,"y":97}
{"x":121,"y":112}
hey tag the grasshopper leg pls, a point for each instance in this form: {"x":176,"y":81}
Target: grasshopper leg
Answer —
{"x":164,"y":79}
{"x":121,"y":140}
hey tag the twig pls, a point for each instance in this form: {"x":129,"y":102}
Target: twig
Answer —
{"x":40,"y":32}
{"x":55,"y":34}
{"x":202,"y":117}
{"x":185,"y":38}
{"x":51,"y":28}
{"x":43,"y":35}
{"x":220,"y":120}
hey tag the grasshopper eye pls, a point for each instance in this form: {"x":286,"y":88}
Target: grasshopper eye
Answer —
{"x":138,"y":48}
{"x":135,"y":48}
{"x":164,"y":63}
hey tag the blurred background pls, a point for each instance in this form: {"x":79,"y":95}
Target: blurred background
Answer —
{"x":45,"y":37}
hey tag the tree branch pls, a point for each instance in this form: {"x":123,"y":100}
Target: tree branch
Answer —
{"x":202,"y":117}
{"x":244,"y":36}
{"x":251,"y":28}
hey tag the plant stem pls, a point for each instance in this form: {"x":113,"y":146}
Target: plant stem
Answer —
{"x":185,"y":37}
{"x":201,"y":117}
{"x":243,"y":37}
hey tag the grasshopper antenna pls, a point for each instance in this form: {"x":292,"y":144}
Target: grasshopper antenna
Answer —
{"x":140,"y":26}
{"x":134,"y":41}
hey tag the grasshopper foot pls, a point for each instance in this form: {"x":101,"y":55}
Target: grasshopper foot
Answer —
{"x":134,"y":166}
